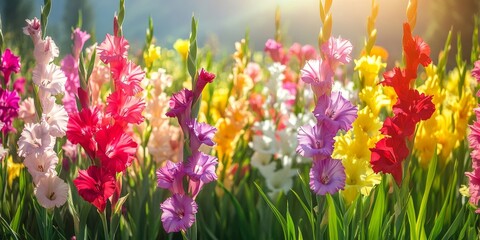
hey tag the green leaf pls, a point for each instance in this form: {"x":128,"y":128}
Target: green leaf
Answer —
{"x":241,"y":213}
{"x":275,"y":211}
{"x":459,"y":220}
{"x":334,"y":228}
{"x":290,"y":225}
{"x":420,"y":228}
{"x":411,"y":218}
{"x":378,"y":214}
{"x":91,"y":65}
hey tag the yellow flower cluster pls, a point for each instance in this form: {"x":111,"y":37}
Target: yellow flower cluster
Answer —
{"x":151,"y":55}
{"x":454,"y":103}
{"x":353,"y":147}
{"x":13,"y":170}
{"x":182,"y":46}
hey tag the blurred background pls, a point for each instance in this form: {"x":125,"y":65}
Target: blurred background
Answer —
{"x":222,"y":22}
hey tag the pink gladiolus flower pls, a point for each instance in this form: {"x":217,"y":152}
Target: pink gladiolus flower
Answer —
{"x":113,"y":49}
{"x":178,"y":213}
{"x":95,"y":185}
{"x":180,"y":105}
{"x":9,"y":63}
{"x":127,"y":76}
{"x":116,"y":149}
{"x":254,"y":71}
{"x":316,"y":141}
{"x":275,"y":51}
{"x":327,"y":176}
{"x":337,"y":110}
{"x":19,"y":85}
{"x":474,"y":186}
{"x":26,"y":111}
{"x":35,"y":139}
{"x":45,"y":51}
{"x":476,"y":71}
{"x":79,"y":38}
{"x":319,"y":75}
{"x":51,"y":191}
{"x":125,"y":109}
{"x":337,"y":51}
{"x":170,"y":177}
{"x":33,"y":29}
{"x":49,"y":78}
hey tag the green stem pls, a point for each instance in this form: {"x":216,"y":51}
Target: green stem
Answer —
{"x":103,"y":216}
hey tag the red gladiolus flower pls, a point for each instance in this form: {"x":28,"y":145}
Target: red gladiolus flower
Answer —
{"x":415,"y":105}
{"x":116,"y":149}
{"x":387,"y":156}
{"x":396,"y":79}
{"x":125,"y":109}
{"x":416,"y":51}
{"x":95,"y":185}
{"x":204,"y":77}
{"x":81,"y":128}
{"x":401,"y":126}
{"x":127,"y":76}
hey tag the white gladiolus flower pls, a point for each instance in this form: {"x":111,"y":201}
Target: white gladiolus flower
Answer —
{"x":3,"y":152}
{"x":49,"y":78}
{"x":261,"y":161}
{"x":35,"y":139}
{"x":51,"y":191}
{"x":264,"y":144}
{"x":279,"y":181}
{"x":42,"y":165}
{"x":45,"y":51}
{"x":26,"y":111}
{"x":56,"y":117}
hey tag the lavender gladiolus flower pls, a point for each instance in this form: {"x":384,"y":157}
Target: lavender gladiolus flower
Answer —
{"x":178,"y":213}
{"x":336,"y":110}
{"x":316,"y":141}
{"x":327,"y":176}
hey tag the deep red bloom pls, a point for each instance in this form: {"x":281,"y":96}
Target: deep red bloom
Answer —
{"x":415,"y":105}
{"x":116,"y":149}
{"x":204,"y":77}
{"x":416,"y":51}
{"x":400,"y":126}
{"x":95,"y":185}
{"x":81,"y":128}
{"x":127,"y":76}
{"x":125,"y":109}
{"x":396,"y":78}
{"x":387,"y":156}
{"x":9,"y":63}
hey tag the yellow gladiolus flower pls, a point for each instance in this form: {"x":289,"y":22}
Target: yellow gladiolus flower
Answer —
{"x":368,"y":68}
{"x":182,"y":46}
{"x":151,"y":55}
{"x":13,"y":170}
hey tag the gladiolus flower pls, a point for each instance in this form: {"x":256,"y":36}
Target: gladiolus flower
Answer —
{"x":113,"y":49}
{"x":33,"y":29}
{"x":51,"y":191}
{"x":116,"y":149}
{"x":45,"y":51}
{"x":79,"y":38}
{"x":338,"y":111}
{"x":41,"y":165}
{"x":337,"y":51}
{"x":56,"y":117}
{"x":8,"y":109}
{"x":9,"y":63}
{"x":200,"y":133}
{"x":170,"y":177}
{"x":178,"y":213}
{"x":416,"y":52}
{"x":35,"y":139}
{"x":82,"y":127}
{"x":180,"y":105}
{"x":95,"y":185}
{"x":476,"y":71}
{"x":127,"y":76}
{"x":125,"y":109}
{"x":316,"y":141}
{"x":327,"y":176}
{"x":387,"y":156}
{"x":319,"y":74}
{"x":204,"y":77}
{"x":49,"y":78}
{"x":415,"y":105}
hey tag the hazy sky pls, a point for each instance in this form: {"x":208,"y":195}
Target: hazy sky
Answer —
{"x":228,"y":20}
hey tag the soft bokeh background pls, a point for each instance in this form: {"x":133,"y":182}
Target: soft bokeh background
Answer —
{"x":222,"y":22}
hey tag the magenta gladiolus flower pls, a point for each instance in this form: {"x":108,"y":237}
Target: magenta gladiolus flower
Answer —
{"x":200,"y":133}
{"x":474,"y":187}
{"x":178,"y":213}
{"x":170,"y":177}
{"x":181,"y":106}
{"x":476,"y":71}
{"x":204,"y":77}
{"x":8,"y":109}
{"x":316,"y":141}
{"x":327,"y":176}
{"x":19,"y":85}
{"x":319,"y":75}
{"x":336,"y":110}
{"x":275,"y":51}
{"x":9,"y":63}
{"x":337,"y":51}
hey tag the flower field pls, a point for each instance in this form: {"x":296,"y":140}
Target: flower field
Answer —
{"x":105,"y":141}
